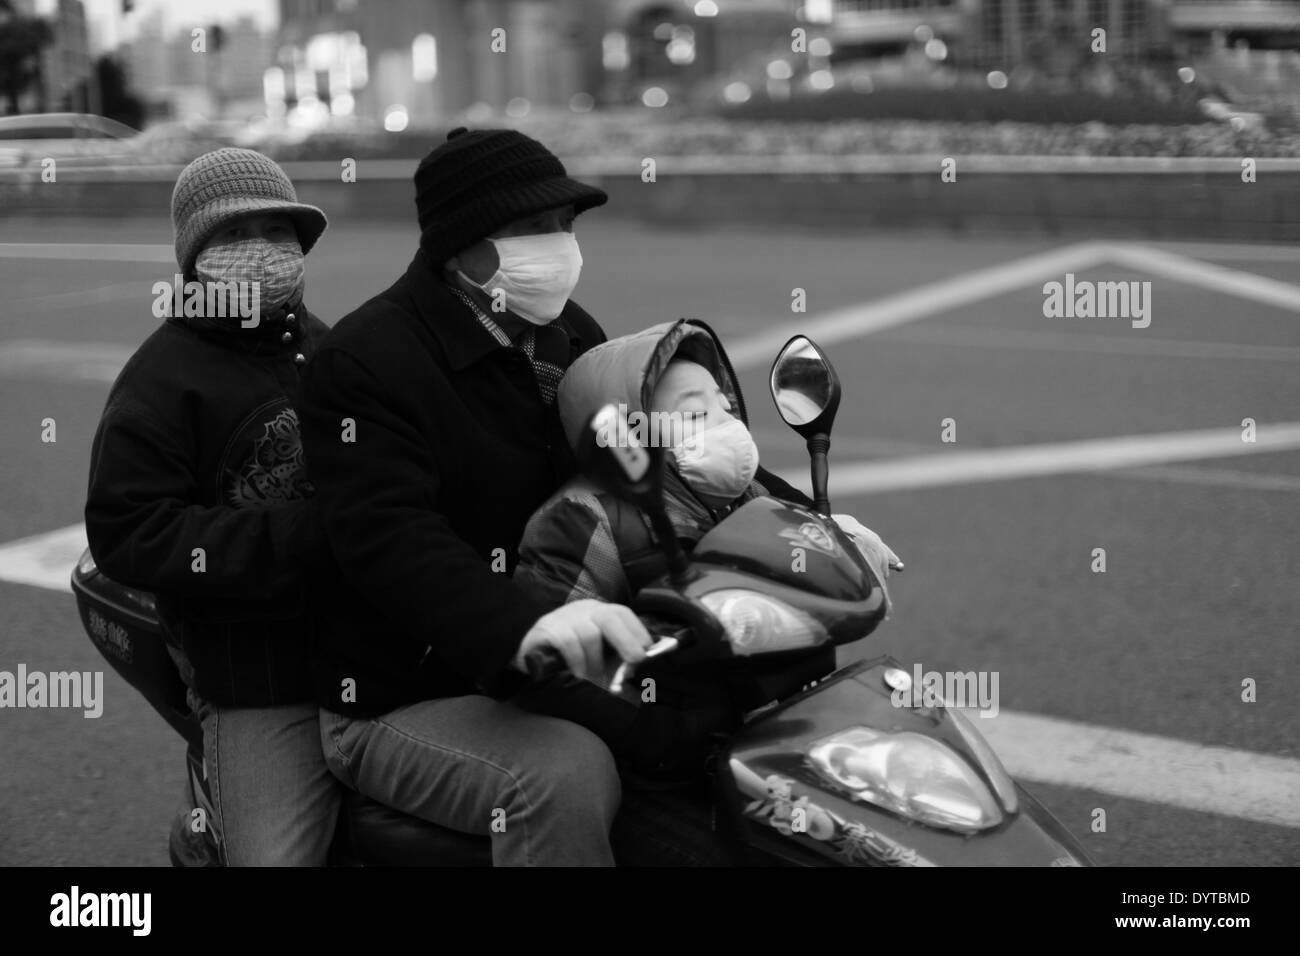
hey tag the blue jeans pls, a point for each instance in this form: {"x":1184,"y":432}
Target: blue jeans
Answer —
{"x":275,"y":800}
{"x":544,"y":789}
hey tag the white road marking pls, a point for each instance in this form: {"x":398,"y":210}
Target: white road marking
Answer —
{"x":138,"y":289}
{"x":66,"y":361}
{"x":956,"y":292}
{"x":1036,"y":340}
{"x":146,"y":253}
{"x":44,"y":560}
{"x":1054,"y":458}
{"x":1217,"y":477}
{"x":940,"y":296}
{"x":1236,"y":783}
{"x":1207,"y":275}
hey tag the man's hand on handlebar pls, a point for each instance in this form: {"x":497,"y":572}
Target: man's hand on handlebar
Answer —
{"x":579,"y":632}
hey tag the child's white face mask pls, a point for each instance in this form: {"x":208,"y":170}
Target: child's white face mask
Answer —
{"x":719,"y":461}
{"x":537,"y":274}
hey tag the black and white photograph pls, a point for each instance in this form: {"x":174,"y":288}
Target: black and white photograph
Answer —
{"x":651,"y":434}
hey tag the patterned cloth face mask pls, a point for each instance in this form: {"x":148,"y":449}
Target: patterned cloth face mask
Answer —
{"x":278,"y":268}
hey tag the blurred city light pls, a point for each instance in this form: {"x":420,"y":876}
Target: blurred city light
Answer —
{"x":818,"y":11}
{"x":343,"y":104}
{"x":821,"y":79}
{"x":1187,"y":74}
{"x":664,"y":31}
{"x":518,"y":106}
{"x":614,"y":53}
{"x":737,"y":92}
{"x":923,"y":34}
{"x":936,"y":49}
{"x":655,"y":96}
{"x":819,"y":46}
{"x":424,"y":58}
{"x":779,"y":70}
{"x":997,"y":80}
{"x":581,"y":102}
{"x":395,"y":119}
{"x":706,"y":8}
{"x":273,"y":92}
{"x":681,"y":48}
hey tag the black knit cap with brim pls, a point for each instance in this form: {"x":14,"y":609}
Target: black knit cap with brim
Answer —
{"x":481,"y":180}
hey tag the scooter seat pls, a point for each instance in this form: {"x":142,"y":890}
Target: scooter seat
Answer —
{"x":377,"y":835}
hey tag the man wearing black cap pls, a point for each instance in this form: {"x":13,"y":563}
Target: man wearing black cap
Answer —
{"x":431,"y":433}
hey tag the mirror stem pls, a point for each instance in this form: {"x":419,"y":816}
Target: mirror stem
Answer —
{"x":818,"y":447}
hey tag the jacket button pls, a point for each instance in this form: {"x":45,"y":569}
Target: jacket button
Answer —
{"x":286,"y":338}
{"x":300,"y":359}
{"x":290,"y":317}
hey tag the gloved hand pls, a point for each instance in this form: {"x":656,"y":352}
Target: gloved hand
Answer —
{"x":878,"y":554}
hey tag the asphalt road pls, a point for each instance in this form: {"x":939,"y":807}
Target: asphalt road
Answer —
{"x":1200,"y":590}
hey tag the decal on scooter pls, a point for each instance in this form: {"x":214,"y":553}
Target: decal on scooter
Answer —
{"x":856,"y":842}
{"x":810,"y":534}
{"x":110,"y":636}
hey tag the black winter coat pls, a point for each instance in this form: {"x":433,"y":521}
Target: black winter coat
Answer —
{"x":198,"y":448}
{"x":430,"y":447}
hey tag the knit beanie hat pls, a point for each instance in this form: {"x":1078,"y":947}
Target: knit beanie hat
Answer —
{"x":480,"y":180}
{"x":227,"y":183}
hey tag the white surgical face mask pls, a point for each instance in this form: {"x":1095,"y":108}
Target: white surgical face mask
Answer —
{"x":278,"y":268}
{"x":719,"y":461}
{"x":537,"y":274}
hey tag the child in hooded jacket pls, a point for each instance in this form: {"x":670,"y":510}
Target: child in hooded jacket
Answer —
{"x":586,"y":543}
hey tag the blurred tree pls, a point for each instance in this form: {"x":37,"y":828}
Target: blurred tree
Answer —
{"x":117,"y":100}
{"x":21,"y":40}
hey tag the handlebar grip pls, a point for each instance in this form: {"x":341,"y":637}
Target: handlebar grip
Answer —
{"x":544,"y":662}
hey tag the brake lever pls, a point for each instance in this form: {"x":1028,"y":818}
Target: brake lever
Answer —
{"x":665,"y":645}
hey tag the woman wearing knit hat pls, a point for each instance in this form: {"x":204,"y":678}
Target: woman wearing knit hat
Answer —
{"x":198,"y":494}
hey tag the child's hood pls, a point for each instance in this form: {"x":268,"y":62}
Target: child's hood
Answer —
{"x":627,"y":369}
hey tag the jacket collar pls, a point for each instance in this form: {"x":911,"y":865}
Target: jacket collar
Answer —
{"x":463,"y":338}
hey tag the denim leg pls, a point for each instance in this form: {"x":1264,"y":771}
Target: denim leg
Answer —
{"x":275,"y":799}
{"x":544,"y":789}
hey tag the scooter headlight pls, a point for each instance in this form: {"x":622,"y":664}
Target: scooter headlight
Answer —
{"x":913,"y":775}
{"x":758,"y":624}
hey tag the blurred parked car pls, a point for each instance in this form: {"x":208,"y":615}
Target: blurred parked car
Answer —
{"x":29,"y":138}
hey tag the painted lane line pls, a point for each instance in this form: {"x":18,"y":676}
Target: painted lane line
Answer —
{"x":1216,"y":477}
{"x":1138,"y":346}
{"x":1207,"y":275}
{"x":65,"y":361}
{"x":951,"y":294}
{"x":145,"y":253}
{"x":903,"y":307}
{"x":1235,"y":783}
{"x":1030,"y":461}
{"x":44,"y":560}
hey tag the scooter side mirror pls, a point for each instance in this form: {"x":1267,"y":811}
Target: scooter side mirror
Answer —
{"x":806,"y":391}
{"x":805,"y":388}
{"x":612,"y":455}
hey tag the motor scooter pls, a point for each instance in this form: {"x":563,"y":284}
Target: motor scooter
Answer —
{"x":845,"y":769}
